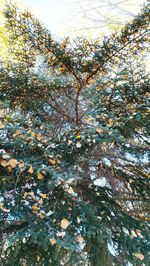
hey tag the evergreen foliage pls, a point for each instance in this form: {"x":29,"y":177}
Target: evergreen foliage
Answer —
{"x":74,"y":147}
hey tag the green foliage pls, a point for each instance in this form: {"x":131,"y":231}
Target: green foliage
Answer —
{"x":74,"y":147}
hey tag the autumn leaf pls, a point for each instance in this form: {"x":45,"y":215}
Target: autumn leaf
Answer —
{"x":52,"y":241}
{"x":1,"y":112}
{"x":64,"y":223}
{"x":80,"y":239}
{"x":40,"y":176}
{"x":110,"y":122}
{"x":12,"y":162}
{"x":3,"y":163}
{"x":99,"y":130}
{"x":44,"y":196}
{"x":21,"y":165}
{"x":38,"y":258}
{"x":42,"y":215}
{"x":90,"y":119}
{"x":78,"y":137}
{"x":70,"y":190}
{"x":35,"y":209}
{"x":30,"y":171}
{"x":33,"y":134}
{"x":58,"y":161}
{"x":9,"y":168}
{"x":139,"y":256}
{"x":52,"y":162}
{"x":1,"y":125}
{"x":39,"y":201}
{"x":39,"y":136}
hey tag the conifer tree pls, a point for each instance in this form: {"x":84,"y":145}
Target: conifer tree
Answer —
{"x":74,"y":147}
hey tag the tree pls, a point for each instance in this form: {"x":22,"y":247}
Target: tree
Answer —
{"x":74,"y":146}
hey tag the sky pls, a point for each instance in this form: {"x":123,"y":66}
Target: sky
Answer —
{"x":82,"y":17}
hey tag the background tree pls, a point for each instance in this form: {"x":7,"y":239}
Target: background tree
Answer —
{"x":74,"y":146}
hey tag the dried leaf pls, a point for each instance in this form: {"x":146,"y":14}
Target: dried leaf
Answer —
{"x":40,"y":176}
{"x":80,"y":239}
{"x":44,"y":196}
{"x":110,"y":122}
{"x":52,"y":241}
{"x":12,"y":162}
{"x":33,"y":134}
{"x":3,"y":163}
{"x":64,"y":223}
{"x":90,"y":119}
{"x":99,"y":130}
{"x":34,"y":207}
{"x":1,"y":112}
{"x":52,"y":162}
{"x":1,"y":125}
{"x":30,"y":171}
{"x":70,"y":190}
{"x":42,"y":215}
{"x":39,"y":136}
{"x":139,"y":256}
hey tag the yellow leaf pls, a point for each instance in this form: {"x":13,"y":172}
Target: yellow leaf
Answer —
{"x":64,"y":223}
{"x":35,"y":208}
{"x":1,"y":125}
{"x":90,"y":119}
{"x":1,"y":205}
{"x":40,"y":176}
{"x":139,"y":256}
{"x":78,"y":137}
{"x":39,"y":136}
{"x":32,"y":195}
{"x":99,"y":130}
{"x":38,"y":258}
{"x":52,"y":241}
{"x":12,"y":162}
{"x":33,"y":134}
{"x":103,"y":72}
{"x":42,"y":215}
{"x":110,"y":122}
{"x":44,"y":196}
{"x":148,"y":111}
{"x":9,"y":168}
{"x":30,"y":171}
{"x":52,"y":162}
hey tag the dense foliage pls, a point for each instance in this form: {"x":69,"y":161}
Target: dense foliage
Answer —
{"x":74,"y":147}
